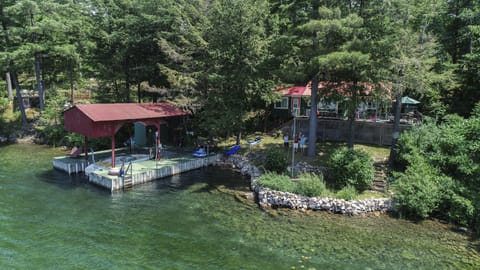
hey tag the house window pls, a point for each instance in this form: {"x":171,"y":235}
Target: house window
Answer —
{"x":282,"y":104}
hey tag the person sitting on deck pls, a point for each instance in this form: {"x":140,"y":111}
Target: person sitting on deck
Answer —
{"x":75,"y":152}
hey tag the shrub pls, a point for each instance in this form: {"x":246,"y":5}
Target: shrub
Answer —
{"x":276,"y":160}
{"x":347,"y":193}
{"x":276,"y":181}
{"x":349,"y":166}
{"x":421,"y":189}
{"x":4,"y":103}
{"x":311,"y":185}
{"x":458,"y":209}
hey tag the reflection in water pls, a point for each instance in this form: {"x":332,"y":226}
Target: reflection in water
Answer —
{"x":194,"y":221}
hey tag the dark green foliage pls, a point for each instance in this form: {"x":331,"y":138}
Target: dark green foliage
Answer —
{"x":276,"y":160}
{"x":434,"y":153}
{"x":277,"y":182}
{"x":349,"y":166}
{"x":347,"y":193}
{"x":456,"y":208}
{"x":3,"y":104}
{"x":421,"y":189}
{"x":237,"y":80}
{"x":311,"y":185}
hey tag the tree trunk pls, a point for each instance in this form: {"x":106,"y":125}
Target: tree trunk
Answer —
{"x":396,"y":129}
{"x":115,"y":91}
{"x":13,"y":73}
{"x":9,"y":86}
{"x":39,"y":81}
{"x":19,"y":97}
{"x":72,"y":94}
{"x":312,"y":124}
{"x":127,"y":80}
{"x":139,"y":96}
{"x":239,"y":137}
{"x":351,"y":121}
{"x":266,"y":116}
{"x":38,"y":73}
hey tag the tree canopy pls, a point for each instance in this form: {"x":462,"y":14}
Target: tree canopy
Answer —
{"x":222,"y":59}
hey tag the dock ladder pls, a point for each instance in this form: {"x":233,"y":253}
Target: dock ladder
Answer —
{"x":127,"y":176}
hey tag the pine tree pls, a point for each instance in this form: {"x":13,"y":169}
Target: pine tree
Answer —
{"x":237,"y":48}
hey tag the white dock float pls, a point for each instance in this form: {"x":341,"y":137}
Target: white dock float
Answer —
{"x":76,"y":166}
{"x":149,"y":174}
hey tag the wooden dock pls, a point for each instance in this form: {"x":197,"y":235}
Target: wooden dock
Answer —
{"x":76,"y":165}
{"x":140,"y":172}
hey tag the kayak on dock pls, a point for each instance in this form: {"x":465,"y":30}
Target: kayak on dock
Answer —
{"x":232,"y":150}
{"x":253,"y":142}
{"x":199,"y":153}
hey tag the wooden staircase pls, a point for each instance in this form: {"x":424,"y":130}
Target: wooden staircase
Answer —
{"x":380,"y":178}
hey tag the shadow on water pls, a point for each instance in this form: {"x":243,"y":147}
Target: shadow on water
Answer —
{"x":212,"y":177}
{"x":69,"y":182}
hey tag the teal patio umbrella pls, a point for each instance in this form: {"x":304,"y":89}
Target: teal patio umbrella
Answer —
{"x":409,"y":100}
{"x":410,"y":104}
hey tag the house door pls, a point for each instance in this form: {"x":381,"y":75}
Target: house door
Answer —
{"x":296,"y":106}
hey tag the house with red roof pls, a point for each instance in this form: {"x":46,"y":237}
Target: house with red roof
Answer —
{"x":374,"y":99}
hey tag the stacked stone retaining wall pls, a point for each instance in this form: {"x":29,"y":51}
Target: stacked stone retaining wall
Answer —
{"x":274,"y":198}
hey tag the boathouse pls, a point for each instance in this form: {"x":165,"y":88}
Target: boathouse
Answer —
{"x":105,"y":120}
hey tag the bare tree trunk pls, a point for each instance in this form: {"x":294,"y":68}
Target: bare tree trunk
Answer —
{"x":72,"y":94}
{"x":38,"y":77}
{"x":351,"y":121}
{"x":266,"y":116}
{"x":38,"y":72}
{"x":396,"y":129}
{"x":313,"y":121}
{"x":127,"y":80}
{"x":239,"y":137}
{"x":139,"y":96}
{"x":115,"y":89}
{"x":19,"y":97}
{"x":9,"y":86}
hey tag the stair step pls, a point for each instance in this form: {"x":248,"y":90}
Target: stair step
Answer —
{"x":127,"y":182}
{"x":379,"y":189}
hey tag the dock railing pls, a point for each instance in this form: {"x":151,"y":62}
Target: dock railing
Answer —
{"x":127,"y":176}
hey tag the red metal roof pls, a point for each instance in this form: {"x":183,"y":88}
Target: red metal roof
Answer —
{"x":128,"y":111}
{"x":103,"y":120}
{"x":297,"y":91}
{"x":328,"y":88}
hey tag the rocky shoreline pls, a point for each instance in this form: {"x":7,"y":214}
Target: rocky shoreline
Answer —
{"x":268,"y":198}
{"x":26,"y":134}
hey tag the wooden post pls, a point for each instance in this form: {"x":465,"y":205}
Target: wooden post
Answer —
{"x":113,"y":150}
{"x":158,"y":141}
{"x":85,"y":145}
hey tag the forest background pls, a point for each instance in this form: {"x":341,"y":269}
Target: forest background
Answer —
{"x":221,"y":60}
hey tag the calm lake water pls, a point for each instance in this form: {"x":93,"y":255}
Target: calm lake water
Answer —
{"x":49,"y":220}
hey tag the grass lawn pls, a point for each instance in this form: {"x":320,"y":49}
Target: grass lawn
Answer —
{"x":323,"y":152}
{"x":323,"y":149}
